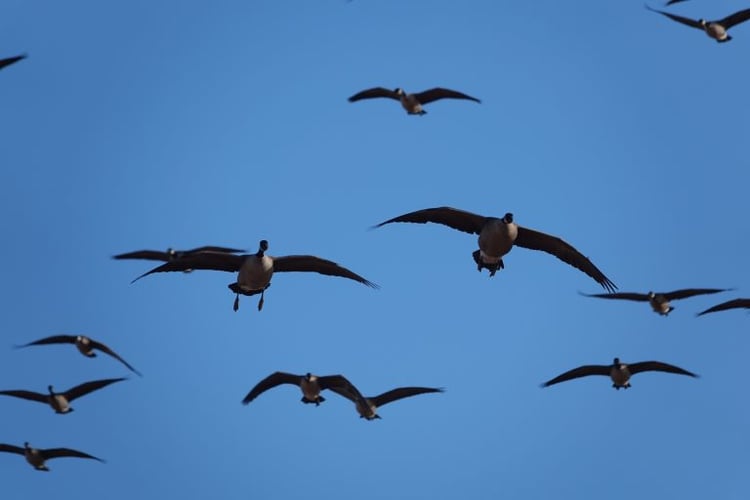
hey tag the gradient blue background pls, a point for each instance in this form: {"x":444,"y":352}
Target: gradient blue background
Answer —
{"x":180,"y":123}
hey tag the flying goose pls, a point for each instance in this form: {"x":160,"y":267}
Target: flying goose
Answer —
{"x":38,"y":456}
{"x":10,"y":60}
{"x":412,"y":103}
{"x":620,"y":373}
{"x":659,"y":301}
{"x":172,"y":254}
{"x":310,"y":385}
{"x":254,"y":271}
{"x":730,"y":304}
{"x":367,"y":406}
{"x":718,"y":30}
{"x":85,"y":346}
{"x":497,"y":236}
{"x":60,"y":401}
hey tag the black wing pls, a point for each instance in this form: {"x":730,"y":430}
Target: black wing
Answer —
{"x":690,"y":292}
{"x":440,"y":93}
{"x":581,"y":371}
{"x":534,"y":240}
{"x":271,"y":381}
{"x":640,"y":297}
{"x":373,"y":93}
{"x":216,"y":261}
{"x":87,"y":387}
{"x":10,"y":60}
{"x":672,"y":2}
{"x":657,"y":366}
{"x":30,"y":395}
{"x":730,"y":304}
{"x":9,"y":448}
{"x":400,"y":393}
{"x":331,"y":381}
{"x":460,"y":220}
{"x":736,"y":18}
{"x":145,"y":255}
{"x":106,"y":350}
{"x":316,"y":264}
{"x":66,"y":452}
{"x":684,"y":20}
{"x":55,"y":339}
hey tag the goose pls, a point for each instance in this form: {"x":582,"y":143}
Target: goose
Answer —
{"x":718,"y":30}
{"x":60,"y":401}
{"x":659,"y":301}
{"x":730,"y":304}
{"x":85,"y":346}
{"x":367,"y":406}
{"x":172,"y":254}
{"x":412,"y":103}
{"x":254,"y":271}
{"x":37,"y":457}
{"x":497,"y":236}
{"x":10,"y":60}
{"x":620,"y":373}
{"x":310,"y":385}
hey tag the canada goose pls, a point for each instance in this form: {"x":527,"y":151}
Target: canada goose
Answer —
{"x":620,"y":373}
{"x":714,"y":29}
{"x":412,"y":103}
{"x":255,"y":270}
{"x":367,"y":406}
{"x":85,"y":346}
{"x":60,"y":401}
{"x":497,"y":236}
{"x":659,"y":300}
{"x":10,"y":60}
{"x":309,"y":384}
{"x":172,"y":254}
{"x":37,"y":456}
{"x":730,"y":304}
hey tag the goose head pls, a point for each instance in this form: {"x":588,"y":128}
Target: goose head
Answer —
{"x":508,"y":218}
{"x":399,"y":91}
{"x":651,"y":295}
{"x":702,"y":22}
{"x":51,"y":390}
{"x":308,"y":376}
{"x":262,"y":247}
{"x":616,"y":362}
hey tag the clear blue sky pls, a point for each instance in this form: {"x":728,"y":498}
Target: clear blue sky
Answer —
{"x":181,"y":123}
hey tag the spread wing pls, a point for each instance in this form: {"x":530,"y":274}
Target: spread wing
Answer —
{"x":311,"y":263}
{"x":9,"y":448}
{"x":144,"y":254}
{"x":30,"y":395}
{"x":684,"y":20}
{"x":640,"y":297}
{"x":440,"y":93}
{"x":66,"y":452}
{"x":106,"y":350}
{"x":672,"y":2}
{"x":657,"y":366}
{"x":55,"y":339}
{"x":216,"y":261}
{"x":400,"y":393}
{"x":736,"y":18}
{"x":348,"y":390}
{"x":87,"y":387}
{"x":331,"y":381}
{"x":460,"y":220}
{"x":690,"y":292}
{"x":581,"y":371}
{"x":271,"y":381}
{"x":373,"y":93}
{"x":534,"y":240}
{"x":10,"y":60}
{"x":730,"y":304}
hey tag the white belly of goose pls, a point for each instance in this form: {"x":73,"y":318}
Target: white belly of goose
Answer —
{"x":619,"y":376}
{"x":60,"y":403}
{"x":496,"y":240}
{"x":255,"y":273}
{"x":716,"y":31}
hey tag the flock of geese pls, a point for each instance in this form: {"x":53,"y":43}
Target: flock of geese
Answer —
{"x":496,"y":236}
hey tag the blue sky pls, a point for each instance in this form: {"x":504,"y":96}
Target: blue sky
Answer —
{"x":183,"y":123}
